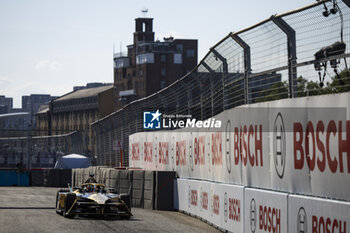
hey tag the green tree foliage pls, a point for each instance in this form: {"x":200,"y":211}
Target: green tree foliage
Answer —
{"x":341,"y":83}
{"x":275,"y":92}
{"x":279,"y":90}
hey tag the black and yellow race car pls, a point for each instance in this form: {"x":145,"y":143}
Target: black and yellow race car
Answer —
{"x":92,"y":199}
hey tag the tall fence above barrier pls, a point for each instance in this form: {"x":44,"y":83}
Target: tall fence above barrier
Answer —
{"x":40,"y":151}
{"x":284,"y":56}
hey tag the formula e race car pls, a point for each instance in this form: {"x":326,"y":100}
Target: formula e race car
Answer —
{"x":92,"y":199}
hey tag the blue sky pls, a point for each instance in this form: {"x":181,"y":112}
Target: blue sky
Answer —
{"x":47,"y":46}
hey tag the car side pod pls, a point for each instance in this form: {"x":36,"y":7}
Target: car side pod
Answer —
{"x":125,"y":200}
{"x":69,"y":204}
{"x":65,"y":201}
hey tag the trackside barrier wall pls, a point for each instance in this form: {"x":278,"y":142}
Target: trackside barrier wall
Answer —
{"x":164,"y":190}
{"x":280,"y":167}
{"x":147,"y":189}
{"x":304,"y":149}
{"x":13,"y":178}
{"x":57,"y":177}
{"x":265,"y":211}
{"x":125,"y":181}
{"x":219,"y":204}
{"x":308,"y":214}
{"x":235,"y":208}
{"x":138,"y":189}
{"x":37,"y":177}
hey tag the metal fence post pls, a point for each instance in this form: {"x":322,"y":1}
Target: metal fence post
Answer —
{"x":292,"y":54}
{"x":211,"y":84}
{"x":185,"y":86}
{"x":247,"y":65}
{"x":224,"y":73}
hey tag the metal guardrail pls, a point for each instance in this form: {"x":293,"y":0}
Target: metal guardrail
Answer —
{"x":38,"y":151}
{"x":271,"y":60}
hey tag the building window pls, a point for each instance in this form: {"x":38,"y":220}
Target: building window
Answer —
{"x":163,"y":58}
{"x":190,"y":53}
{"x":145,"y":58}
{"x":163,"y":71}
{"x":179,"y":48}
{"x":140,"y":72}
{"x":177,"y":58}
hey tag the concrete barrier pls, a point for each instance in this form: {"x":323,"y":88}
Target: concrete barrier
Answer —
{"x":138,"y":183}
{"x":148,"y":202}
{"x":113,"y":178}
{"x":125,"y":181}
{"x":147,"y":189}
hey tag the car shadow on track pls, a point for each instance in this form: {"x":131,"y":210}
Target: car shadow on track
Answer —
{"x":26,"y":208}
{"x":104,"y":218}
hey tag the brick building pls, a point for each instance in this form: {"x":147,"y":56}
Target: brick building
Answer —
{"x":76,"y":111}
{"x":151,"y":65}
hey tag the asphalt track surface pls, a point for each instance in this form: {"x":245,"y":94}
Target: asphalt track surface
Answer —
{"x":31,"y":209}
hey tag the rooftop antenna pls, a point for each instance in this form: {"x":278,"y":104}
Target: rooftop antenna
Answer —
{"x":144,"y":11}
{"x":120,"y":49}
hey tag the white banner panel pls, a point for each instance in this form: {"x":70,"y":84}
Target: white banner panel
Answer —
{"x":199,"y":155}
{"x":232,"y":167}
{"x":316,"y":215}
{"x":251,"y":144}
{"x":181,"y":154}
{"x":284,"y":176}
{"x":164,"y":152}
{"x":216,"y":204}
{"x":204,"y":200}
{"x":265,"y":211}
{"x":310,"y":146}
{"x":148,"y":151}
{"x":233,"y":208}
{"x":328,"y":155}
{"x":135,"y":148}
{"x":182,"y":194}
{"x":193,"y":200}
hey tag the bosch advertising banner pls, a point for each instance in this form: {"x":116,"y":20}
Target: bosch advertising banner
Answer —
{"x":233,"y":208}
{"x":239,"y":209}
{"x":219,"y":204}
{"x":265,"y":211}
{"x":308,"y":214}
{"x":302,"y":149}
